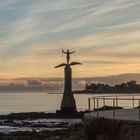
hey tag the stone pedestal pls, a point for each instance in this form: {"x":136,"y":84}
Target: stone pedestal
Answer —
{"x":68,"y":104}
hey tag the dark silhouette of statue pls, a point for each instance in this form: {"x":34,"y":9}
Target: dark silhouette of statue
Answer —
{"x":68,"y":105}
{"x":68,"y":53}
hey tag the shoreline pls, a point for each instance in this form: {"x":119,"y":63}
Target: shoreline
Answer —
{"x":41,"y":115}
{"x":39,"y":126}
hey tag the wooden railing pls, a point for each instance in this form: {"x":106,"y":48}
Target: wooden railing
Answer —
{"x":93,"y":102}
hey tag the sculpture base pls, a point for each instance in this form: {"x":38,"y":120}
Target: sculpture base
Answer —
{"x":68,"y":105}
{"x":68,"y":110}
{"x":74,"y":115}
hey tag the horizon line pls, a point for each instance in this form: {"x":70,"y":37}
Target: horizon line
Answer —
{"x":37,"y":77}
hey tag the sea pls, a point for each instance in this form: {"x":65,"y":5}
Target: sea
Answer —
{"x":45,"y":102}
{"x":37,"y":102}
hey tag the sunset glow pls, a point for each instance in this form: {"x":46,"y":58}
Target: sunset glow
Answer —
{"x":104,"y":33}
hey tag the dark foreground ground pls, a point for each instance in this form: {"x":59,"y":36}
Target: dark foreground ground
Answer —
{"x":43,"y":135}
{"x":39,"y":126}
{"x":42,"y":126}
{"x":97,"y":129}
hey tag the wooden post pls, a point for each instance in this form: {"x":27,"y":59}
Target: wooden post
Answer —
{"x":89,"y":108}
{"x":103,"y":101}
{"x":133,"y":103}
{"x":116,"y":101}
{"x":97,"y":108}
{"x":113,"y":108}
{"x":94,"y":102}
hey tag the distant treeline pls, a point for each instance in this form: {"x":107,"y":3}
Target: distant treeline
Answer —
{"x":129,"y":87}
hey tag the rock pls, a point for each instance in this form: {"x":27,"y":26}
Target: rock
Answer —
{"x":37,"y":115}
{"x":103,"y":137}
{"x":108,"y":108}
{"x":107,"y":129}
{"x":101,"y":126}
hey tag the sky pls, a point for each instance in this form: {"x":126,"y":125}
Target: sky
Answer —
{"x":104,"y":33}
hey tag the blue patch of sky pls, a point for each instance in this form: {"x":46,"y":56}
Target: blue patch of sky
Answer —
{"x":49,"y":20}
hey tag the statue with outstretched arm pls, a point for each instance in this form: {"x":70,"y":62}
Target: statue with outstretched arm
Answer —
{"x":68,"y":53}
{"x":68,"y":104}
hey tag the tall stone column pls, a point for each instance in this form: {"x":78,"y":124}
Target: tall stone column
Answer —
{"x":68,"y":104}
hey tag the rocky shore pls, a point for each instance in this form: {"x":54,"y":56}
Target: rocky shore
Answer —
{"x":24,"y":126}
{"x":36,"y":115}
{"x":107,"y":129}
{"x":63,"y":134}
{"x":39,"y":126}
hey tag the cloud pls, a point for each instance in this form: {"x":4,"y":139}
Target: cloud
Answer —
{"x":105,"y":35}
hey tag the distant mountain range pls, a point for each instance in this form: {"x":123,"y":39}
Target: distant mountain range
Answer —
{"x":56,"y":84}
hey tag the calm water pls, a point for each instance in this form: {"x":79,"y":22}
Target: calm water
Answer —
{"x":36,"y":102}
{"x":41,"y":102}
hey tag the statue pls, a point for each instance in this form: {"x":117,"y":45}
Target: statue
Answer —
{"x":68,"y":105}
{"x":68,"y":53}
